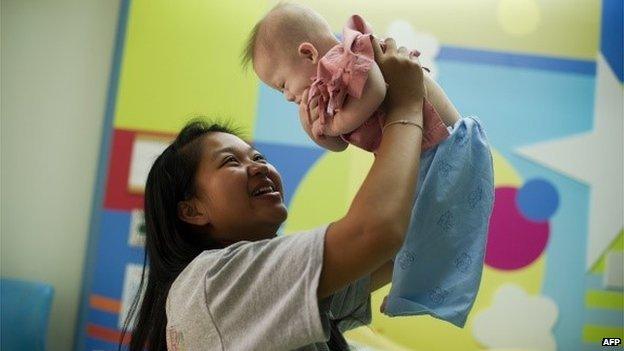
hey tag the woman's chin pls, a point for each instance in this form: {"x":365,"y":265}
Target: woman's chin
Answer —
{"x":282,"y":214}
{"x":279,"y":216}
{"x":271,"y":214}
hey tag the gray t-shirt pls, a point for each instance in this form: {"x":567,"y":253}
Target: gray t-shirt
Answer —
{"x":261,"y":296}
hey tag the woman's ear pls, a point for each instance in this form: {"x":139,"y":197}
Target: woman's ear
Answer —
{"x":308,"y":51}
{"x":190,"y":212}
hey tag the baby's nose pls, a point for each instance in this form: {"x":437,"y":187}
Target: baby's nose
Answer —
{"x":290,"y":97}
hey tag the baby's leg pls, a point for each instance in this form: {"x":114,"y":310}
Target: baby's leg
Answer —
{"x":443,"y":105}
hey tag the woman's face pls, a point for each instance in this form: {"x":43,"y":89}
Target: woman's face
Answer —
{"x":239,"y":194}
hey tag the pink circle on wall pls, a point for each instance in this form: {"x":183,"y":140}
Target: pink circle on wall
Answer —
{"x":514,"y":242}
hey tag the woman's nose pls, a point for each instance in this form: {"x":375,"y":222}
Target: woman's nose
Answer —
{"x":256,"y":168}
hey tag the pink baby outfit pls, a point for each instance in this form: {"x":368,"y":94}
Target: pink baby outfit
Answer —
{"x":343,"y":72}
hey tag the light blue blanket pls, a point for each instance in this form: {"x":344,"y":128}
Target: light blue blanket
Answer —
{"x":438,"y":269}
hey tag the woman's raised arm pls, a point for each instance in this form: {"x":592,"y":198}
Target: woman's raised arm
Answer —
{"x":374,"y":227}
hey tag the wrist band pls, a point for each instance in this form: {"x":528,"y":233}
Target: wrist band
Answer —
{"x":403,"y":121}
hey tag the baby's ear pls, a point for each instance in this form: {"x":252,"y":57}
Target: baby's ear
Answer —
{"x":308,"y":51}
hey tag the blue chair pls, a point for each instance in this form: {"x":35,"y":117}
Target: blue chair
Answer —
{"x":24,"y":310}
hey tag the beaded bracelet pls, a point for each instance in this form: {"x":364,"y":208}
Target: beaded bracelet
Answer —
{"x":403,"y":121}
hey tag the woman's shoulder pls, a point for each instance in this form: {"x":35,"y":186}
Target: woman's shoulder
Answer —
{"x":244,"y":253}
{"x":254,"y":247}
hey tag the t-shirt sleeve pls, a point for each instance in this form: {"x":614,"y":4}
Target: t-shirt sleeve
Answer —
{"x":263,"y":295}
{"x":351,"y":306}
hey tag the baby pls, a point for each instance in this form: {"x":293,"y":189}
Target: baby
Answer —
{"x":339,"y":89}
{"x":338,"y":86}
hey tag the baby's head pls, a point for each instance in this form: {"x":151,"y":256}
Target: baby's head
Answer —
{"x":285,"y":46}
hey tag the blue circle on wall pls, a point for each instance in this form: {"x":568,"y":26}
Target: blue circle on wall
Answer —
{"x":537,"y":200}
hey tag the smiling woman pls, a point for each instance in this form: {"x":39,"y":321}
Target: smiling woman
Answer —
{"x":233,"y":181}
{"x":221,"y":279}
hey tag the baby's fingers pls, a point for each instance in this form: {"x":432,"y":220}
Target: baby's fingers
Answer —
{"x":377,"y":49}
{"x":313,"y":104}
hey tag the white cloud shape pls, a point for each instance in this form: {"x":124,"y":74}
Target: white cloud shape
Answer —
{"x":517,"y":320}
{"x":428,"y":45}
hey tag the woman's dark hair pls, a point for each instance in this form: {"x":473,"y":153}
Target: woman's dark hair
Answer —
{"x":170,"y":244}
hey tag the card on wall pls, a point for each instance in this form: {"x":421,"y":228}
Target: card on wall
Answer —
{"x":144,"y":152}
{"x":136,"y":235}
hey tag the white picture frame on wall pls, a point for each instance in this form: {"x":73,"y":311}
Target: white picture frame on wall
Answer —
{"x":145,"y":150}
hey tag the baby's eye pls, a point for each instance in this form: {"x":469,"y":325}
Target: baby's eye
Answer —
{"x":259,"y":157}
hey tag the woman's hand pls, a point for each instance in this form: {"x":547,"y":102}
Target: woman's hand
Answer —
{"x":403,"y":75}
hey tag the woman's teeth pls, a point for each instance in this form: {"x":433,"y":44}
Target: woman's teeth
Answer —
{"x":264,"y":190}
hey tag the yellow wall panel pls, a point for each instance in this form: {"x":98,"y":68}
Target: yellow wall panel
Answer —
{"x":559,"y":28}
{"x":182,"y":58}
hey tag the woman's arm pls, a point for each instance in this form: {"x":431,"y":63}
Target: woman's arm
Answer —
{"x":355,"y":111}
{"x":374,"y":227}
{"x":381,"y":276}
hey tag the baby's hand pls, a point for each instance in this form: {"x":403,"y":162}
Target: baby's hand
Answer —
{"x":307,"y":116}
{"x":312,"y":106}
{"x":308,"y":113}
{"x":318,"y":130}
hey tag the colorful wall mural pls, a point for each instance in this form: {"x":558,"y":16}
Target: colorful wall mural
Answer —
{"x":545,"y":78}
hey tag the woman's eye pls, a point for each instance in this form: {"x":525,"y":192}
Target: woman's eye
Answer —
{"x":230,"y":159}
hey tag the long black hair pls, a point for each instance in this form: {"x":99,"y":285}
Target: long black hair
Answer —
{"x":170,"y":244}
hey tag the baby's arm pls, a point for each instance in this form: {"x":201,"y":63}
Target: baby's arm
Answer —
{"x":355,"y":111}
{"x":443,"y":105}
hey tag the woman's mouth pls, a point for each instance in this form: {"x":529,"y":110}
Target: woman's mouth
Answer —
{"x":263,"y":190}
{"x":266,"y":192}
{"x":269,"y":196}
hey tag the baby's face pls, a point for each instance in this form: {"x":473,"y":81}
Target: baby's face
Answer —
{"x":289,"y":75}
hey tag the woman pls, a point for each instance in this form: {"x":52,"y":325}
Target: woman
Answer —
{"x":220,"y":279}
